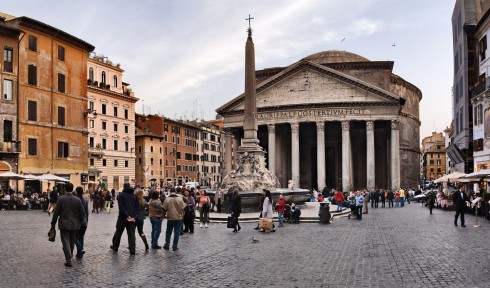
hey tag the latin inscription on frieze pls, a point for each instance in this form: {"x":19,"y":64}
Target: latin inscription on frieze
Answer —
{"x":311,"y":113}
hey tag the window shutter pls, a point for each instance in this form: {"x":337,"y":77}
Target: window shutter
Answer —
{"x":61,"y":116}
{"x":32,"y":110}
{"x":61,"y":83}
{"x":32,"y":75}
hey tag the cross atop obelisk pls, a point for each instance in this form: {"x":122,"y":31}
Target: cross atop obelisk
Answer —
{"x":249,"y":30}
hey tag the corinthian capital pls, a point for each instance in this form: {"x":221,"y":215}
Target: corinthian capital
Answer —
{"x":294,"y":127}
{"x":345,"y":125}
{"x":320,"y":126}
{"x":370,"y":125}
{"x":271,"y":128}
{"x":395,"y":124}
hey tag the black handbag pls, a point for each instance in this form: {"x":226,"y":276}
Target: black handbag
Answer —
{"x":231,"y":223}
{"x":52,"y":234}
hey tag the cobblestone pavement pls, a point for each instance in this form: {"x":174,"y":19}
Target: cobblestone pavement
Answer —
{"x":397,"y":247}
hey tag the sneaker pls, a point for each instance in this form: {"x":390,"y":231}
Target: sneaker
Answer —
{"x":68,"y":264}
{"x":166,"y":247}
{"x":206,"y":225}
{"x":200,"y":225}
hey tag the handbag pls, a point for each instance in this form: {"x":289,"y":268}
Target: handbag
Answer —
{"x":265,"y":224}
{"x":231,"y":223}
{"x":52,"y":234}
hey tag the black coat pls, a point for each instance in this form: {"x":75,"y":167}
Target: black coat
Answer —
{"x":69,"y":210}
{"x":236,"y":206}
{"x":460,"y":202}
{"x":128,"y":204}
{"x":390,"y":195}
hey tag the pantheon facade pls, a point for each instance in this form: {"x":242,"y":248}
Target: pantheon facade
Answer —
{"x":333,"y":119}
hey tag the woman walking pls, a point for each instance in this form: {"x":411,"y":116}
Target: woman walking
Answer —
{"x":189,"y":212}
{"x":95,"y":201}
{"x":204,"y":207}
{"x":108,"y":202}
{"x":156,"y":217}
{"x":267,"y":209}
{"x":81,"y":233}
{"x":140,"y":216}
{"x":236,"y":209}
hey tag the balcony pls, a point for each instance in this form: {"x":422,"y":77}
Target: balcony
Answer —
{"x":95,"y":152}
{"x":10,"y":147}
{"x":480,"y":88}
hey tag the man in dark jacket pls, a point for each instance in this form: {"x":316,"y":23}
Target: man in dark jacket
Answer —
{"x":69,"y":210}
{"x":390,"y":198}
{"x":128,"y":205}
{"x":460,"y":199}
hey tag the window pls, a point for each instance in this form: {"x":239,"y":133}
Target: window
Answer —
{"x":62,"y":149}
{"x":161,"y":162}
{"x":8,"y":59}
{"x":7,"y":131}
{"x":32,"y":146}
{"x":115,"y":111}
{"x":32,"y":43}
{"x":165,"y":127}
{"x":115,"y":81}
{"x":61,"y":116}
{"x":31,"y":74}
{"x":91,"y":105}
{"x":104,"y":143}
{"x":126,"y":114}
{"x":104,"y":125}
{"x":139,"y":149}
{"x":126,"y":129}
{"x":91,"y":142}
{"x":91,"y":75}
{"x":461,"y":119}
{"x":103,"y":78}
{"x":92,"y":162}
{"x":91,"y":123}
{"x":104,"y":162}
{"x":151,"y":161}
{"x":61,"y":53}
{"x":104,"y":109}
{"x":115,"y":145}
{"x":115,"y":163}
{"x":126,"y":146}
{"x":483,"y":47}
{"x":139,"y":161}
{"x":61,"y":83}
{"x":31,"y":110}
{"x":126,"y":163}
{"x":115,"y":127}
{"x":7,"y":89}
{"x":151,"y":148}
{"x":478,"y":115}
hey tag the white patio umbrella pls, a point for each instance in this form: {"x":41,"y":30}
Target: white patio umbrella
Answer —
{"x":478,"y":174}
{"x":51,"y":177}
{"x":11,"y":176}
{"x":31,"y":177}
{"x":450,"y":177}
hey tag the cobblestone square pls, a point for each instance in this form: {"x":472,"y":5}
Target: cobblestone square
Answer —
{"x":396,"y":247}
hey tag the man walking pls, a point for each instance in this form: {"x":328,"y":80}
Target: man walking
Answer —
{"x":460,"y":199}
{"x":431,"y":200}
{"x":402,"y":197}
{"x":128,"y":205}
{"x":69,"y":210}
{"x":174,"y":206}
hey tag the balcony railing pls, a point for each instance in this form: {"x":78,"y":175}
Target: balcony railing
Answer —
{"x":10,"y":147}
{"x":97,"y":152}
{"x":480,"y":88}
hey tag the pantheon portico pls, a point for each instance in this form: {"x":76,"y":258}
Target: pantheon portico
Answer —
{"x":333,"y":119}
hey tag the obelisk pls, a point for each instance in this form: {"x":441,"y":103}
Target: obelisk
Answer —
{"x":250,"y":142}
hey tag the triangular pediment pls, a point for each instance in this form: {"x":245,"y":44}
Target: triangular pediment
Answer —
{"x":307,"y":83}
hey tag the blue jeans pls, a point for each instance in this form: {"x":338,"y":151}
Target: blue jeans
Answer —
{"x":402,"y":201}
{"x":79,"y":240}
{"x":173,"y":225}
{"x":280,"y":218}
{"x":339,"y":206}
{"x":397,"y":202}
{"x":156,"y":229}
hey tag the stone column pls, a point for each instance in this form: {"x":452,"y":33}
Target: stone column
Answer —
{"x":346,"y":156}
{"x":295,"y":153}
{"x":320,"y":148}
{"x":228,"y":153}
{"x":370,"y":159}
{"x":272,"y":147}
{"x":395,"y":155}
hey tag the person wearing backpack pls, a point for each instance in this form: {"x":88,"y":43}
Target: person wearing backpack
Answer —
{"x":204,"y":207}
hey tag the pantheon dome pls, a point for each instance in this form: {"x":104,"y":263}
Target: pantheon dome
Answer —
{"x":335,"y":56}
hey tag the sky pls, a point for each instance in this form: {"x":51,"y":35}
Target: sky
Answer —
{"x":185,"y":58}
